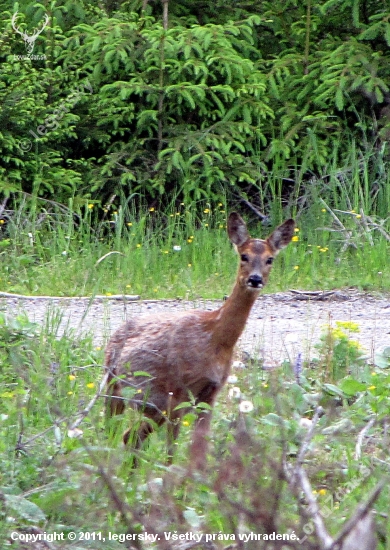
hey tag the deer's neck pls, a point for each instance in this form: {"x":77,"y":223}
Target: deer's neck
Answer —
{"x":231,"y":318}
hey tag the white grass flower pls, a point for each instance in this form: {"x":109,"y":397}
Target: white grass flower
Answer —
{"x":177,"y":248}
{"x":232,"y":379}
{"x":238,"y":365}
{"x":235,"y":392}
{"x":246,"y":406}
{"x":75,"y":433}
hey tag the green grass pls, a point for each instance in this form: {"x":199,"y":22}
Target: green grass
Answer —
{"x":52,"y":482}
{"x":179,"y":254}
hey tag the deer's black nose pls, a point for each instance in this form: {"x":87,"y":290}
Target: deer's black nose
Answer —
{"x":255,"y":281}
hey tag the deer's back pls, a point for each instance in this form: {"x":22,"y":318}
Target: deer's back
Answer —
{"x":176,"y":350}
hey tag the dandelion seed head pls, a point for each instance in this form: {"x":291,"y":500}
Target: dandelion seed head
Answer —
{"x":246,"y":406}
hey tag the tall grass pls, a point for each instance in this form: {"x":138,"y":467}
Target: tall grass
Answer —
{"x":55,"y":479}
{"x":183,"y":251}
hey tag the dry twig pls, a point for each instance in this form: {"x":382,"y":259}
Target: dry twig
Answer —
{"x":361,"y":511}
{"x":359,"y":443}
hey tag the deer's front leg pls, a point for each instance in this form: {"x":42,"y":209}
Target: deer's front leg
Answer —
{"x":200,"y":438}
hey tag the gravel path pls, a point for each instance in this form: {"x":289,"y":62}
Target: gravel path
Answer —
{"x":280,"y":325}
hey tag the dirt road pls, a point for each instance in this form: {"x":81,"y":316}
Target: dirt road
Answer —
{"x":280,"y":325}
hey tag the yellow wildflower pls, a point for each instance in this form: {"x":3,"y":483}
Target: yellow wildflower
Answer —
{"x":338,"y":333}
{"x":348,"y":325}
{"x":71,"y":377}
{"x":295,"y":239}
{"x":90,"y":206}
{"x":129,"y":224}
{"x":206,"y":210}
{"x":296,"y":229}
{"x":90,"y":385}
{"x":372,"y":387}
{"x":322,"y":492}
{"x":139,"y":245}
{"x":296,"y":267}
{"x":151,"y":209}
{"x":354,"y":344}
{"x":185,"y":423}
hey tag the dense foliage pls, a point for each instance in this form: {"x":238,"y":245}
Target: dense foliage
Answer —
{"x":217,"y":97}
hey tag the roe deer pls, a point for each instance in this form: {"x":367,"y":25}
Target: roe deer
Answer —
{"x":188,"y":354}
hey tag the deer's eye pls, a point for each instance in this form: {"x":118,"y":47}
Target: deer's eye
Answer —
{"x":244,"y":258}
{"x":269,"y":261}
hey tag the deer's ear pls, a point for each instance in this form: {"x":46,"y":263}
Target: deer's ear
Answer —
{"x":281,"y":236}
{"x":236,"y":228}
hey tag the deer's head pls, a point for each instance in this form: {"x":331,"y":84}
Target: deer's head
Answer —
{"x":257,"y":255}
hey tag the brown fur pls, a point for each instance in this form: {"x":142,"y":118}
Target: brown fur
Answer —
{"x":189,"y":354}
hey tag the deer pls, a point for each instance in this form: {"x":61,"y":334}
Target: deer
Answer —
{"x":186,"y":357}
{"x":29,"y":40}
